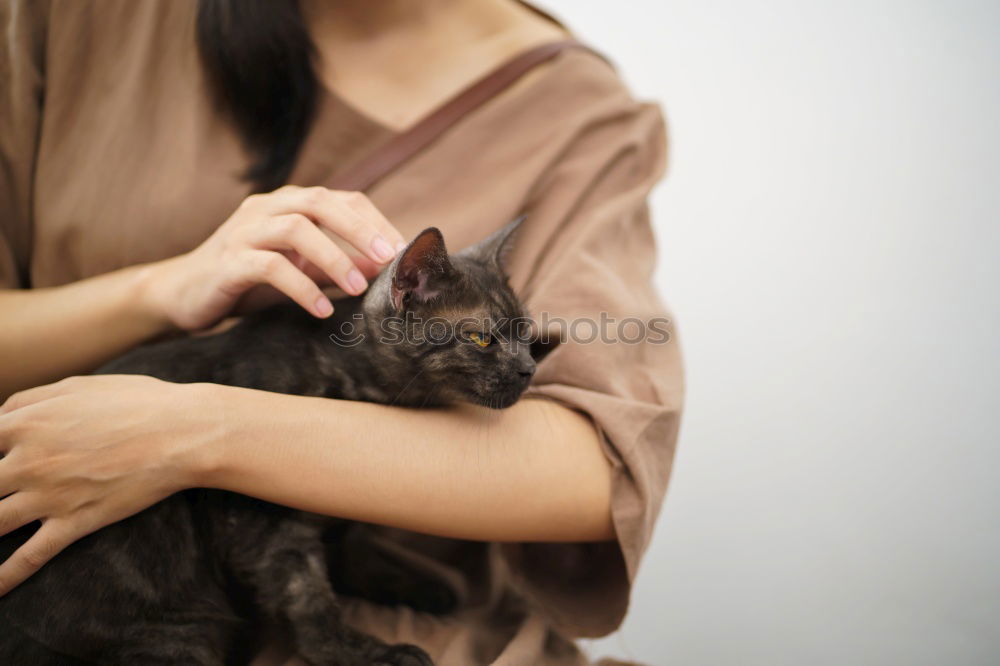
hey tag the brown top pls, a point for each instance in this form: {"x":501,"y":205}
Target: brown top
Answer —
{"x":112,"y":154}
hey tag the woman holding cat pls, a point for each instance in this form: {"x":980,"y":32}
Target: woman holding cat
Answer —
{"x":115,"y":181}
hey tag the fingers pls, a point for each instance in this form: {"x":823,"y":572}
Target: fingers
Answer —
{"x":350,"y":215}
{"x":16,"y":511}
{"x":50,"y":539}
{"x":8,"y":484}
{"x":276,"y":270}
{"x":283,"y":239}
{"x":33,"y":395}
{"x":363,"y":205}
{"x":297,"y":232}
{"x":367,"y":267}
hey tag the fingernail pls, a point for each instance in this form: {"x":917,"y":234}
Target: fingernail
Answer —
{"x":400,"y":247}
{"x":382,"y":249}
{"x":324,"y":308}
{"x":357,"y":281}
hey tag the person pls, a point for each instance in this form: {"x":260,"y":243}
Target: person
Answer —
{"x":151,"y":186}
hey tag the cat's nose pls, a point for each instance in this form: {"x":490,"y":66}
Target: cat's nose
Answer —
{"x":526,"y":368}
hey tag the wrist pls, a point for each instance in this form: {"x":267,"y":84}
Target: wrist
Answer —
{"x":152,"y":294}
{"x":197,"y":458}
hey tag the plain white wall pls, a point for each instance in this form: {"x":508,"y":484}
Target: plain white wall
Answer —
{"x":829,"y":242}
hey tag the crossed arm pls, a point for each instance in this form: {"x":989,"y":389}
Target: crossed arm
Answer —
{"x":87,"y":451}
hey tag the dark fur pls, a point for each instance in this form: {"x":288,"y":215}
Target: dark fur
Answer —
{"x":190,"y":580}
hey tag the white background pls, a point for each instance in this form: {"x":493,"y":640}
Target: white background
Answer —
{"x":829,"y":241}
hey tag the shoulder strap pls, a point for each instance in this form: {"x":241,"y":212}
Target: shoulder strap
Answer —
{"x":370,"y":169}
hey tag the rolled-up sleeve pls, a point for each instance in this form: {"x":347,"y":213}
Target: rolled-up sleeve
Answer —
{"x":588,"y":255}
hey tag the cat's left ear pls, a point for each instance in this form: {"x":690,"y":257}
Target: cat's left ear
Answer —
{"x":495,"y":247}
{"x":422,"y":270}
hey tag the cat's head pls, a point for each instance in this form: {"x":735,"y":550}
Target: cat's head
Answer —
{"x":453,"y":322}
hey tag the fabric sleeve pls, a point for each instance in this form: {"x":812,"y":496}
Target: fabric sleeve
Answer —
{"x":587,"y":254}
{"x":22,"y":56}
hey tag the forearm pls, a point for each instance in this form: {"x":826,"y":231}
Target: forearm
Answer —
{"x":533,"y":472}
{"x":51,"y":333}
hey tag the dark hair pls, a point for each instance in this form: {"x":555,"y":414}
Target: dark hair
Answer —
{"x":258,"y":58}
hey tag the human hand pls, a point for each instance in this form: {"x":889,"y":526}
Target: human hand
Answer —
{"x":279,"y":240}
{"x":88,"y":451}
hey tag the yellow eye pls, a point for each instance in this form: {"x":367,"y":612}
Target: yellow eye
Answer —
{"x":481,"y":339}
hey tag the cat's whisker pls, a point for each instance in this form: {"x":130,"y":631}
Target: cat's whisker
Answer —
{"x":548,"y":420}
{"x":403,"y":390}
{"x":427,"y":398}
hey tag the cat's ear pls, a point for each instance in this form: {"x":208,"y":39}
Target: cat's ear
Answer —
{"x":420,"y":271}
{"x":495,"y":247}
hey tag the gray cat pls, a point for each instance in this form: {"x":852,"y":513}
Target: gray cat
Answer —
{"x":192,"y":579}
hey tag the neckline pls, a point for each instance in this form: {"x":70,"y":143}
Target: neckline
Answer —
{"x":366,"y":118}
{"x":331,"y":97}
{"x":404,"y":144}
{"x":328,"y":95}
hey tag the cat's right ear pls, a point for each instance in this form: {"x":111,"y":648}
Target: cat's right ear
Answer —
{"x":495,"y":247}
{"x":421,"y":270}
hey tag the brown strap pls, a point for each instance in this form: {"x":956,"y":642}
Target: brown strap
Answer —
{"x":370,"y":169}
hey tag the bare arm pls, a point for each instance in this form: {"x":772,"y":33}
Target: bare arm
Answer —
{"x":88,"y":451}
{"x":50,"y":333}
{"x":533,"y":472}
{"x":276,"y":240}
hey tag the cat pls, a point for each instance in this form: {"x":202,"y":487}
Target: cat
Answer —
{"x":191,"y":579}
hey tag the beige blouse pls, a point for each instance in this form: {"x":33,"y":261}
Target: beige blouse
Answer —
{"x":112,"y":154}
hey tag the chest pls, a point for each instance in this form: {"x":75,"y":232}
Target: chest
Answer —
{"x":135,"y":162}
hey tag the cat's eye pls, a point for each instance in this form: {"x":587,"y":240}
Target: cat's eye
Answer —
{"x":481,"y":339}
